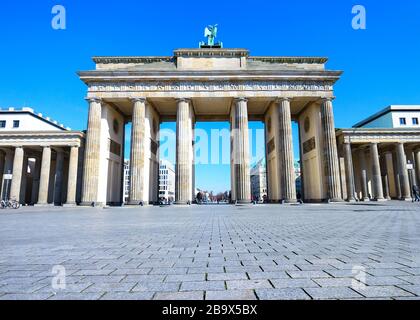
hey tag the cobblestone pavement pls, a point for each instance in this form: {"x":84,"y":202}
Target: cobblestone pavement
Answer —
{"x":338,"y":251}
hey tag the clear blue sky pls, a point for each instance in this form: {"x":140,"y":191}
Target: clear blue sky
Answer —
{"x":39,"y":64}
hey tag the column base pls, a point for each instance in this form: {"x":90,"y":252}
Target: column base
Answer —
{"x":43,"y":205}
{"x":93,"y":204}
{"x":335,"y":200}
{"x":380,"y":200}
{"x":182,"y":203}
{"x":406,"y":199}
{"x":293,"y":201}
{"x":138,"y":203}
{"x":352,"y":200}
{"x":70,"y":205}
{"x":243,"y":201}
{"x":365,"y":200}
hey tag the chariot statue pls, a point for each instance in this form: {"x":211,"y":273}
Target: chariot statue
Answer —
{"x":210,"y":32}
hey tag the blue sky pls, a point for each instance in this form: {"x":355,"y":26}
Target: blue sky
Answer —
{"x":39,"y":64}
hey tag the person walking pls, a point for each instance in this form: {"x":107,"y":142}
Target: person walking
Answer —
{"x":416,"y":193}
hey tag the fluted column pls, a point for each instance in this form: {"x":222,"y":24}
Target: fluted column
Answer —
{"x":58,"y":184}
{"x":17,"y":174}
{"x":363,"y":175}
{"x":403,"y":173}
{"x":137,"y":160}
{"x":286,"y":153}
{"x":378,"y":192}
{"x":184,"y":152}
{"x":24,"y":180}
{"x":417,"y":164}
{"x":72,"y":176}
{"x":348,"y":160}
{"x":240,"y":135}
{"x":92,"y":153}
{"x":8,"y":167}
{"x":2,"y":166}
{"x":332,"y":169}
{"x":45,"y":177}
{"x":35,"y":181}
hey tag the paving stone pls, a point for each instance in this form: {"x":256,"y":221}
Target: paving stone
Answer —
{"x":415,"y":289}
{"x":76,"y":296}
{"x":293,"y":283}
{"x":203,"y":286}
{"x":248,"y":284}
{"x":282,"y":294}
{"x":25,"y":296}
{"x":186,"y":295}
{"x":308,"y":274}
{"x":111,"y":287}
{"x":156,"y":286}
{"x":227,"y":276}
{"x":268,"y":275}
{"x":127,"y":296}
{"x":185,"y":277}
{"x":231,"y":295}
{"x":332,"y":293}
{"x":383,"y":291}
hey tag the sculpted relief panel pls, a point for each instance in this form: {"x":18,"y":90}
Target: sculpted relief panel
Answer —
{"x":211,"y":86}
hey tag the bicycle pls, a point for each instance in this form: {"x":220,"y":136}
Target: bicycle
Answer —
{"x":12,"y":204}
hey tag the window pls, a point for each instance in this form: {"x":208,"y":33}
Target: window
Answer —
{"x":16,"y":123}
{"x":403,"y":122}
{"x":415,"y":121}
{"x":2,"y":124}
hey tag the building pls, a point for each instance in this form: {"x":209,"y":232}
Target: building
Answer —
{"x":166,"y":181}
{"x":380,"y":156}
{"x":126,"y":181}
{"x":259,"y":181}
{"x":40,"y":159}
{"x":393,"y":117}
{"x":210,"y":84}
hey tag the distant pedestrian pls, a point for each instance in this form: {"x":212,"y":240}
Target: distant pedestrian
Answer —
{"x":416,"y":193}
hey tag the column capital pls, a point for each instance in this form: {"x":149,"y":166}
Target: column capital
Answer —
{"x":240,"y":99}
{"x":187,"y":100}
{"x":93,"y":99}
{"x":138,"y":99}
{"x":281,"y":99}
{"x":327,"y":99}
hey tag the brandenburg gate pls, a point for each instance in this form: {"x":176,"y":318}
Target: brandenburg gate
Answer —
{"x":210,"y":84}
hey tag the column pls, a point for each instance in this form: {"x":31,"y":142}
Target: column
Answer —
{"x":35,"y":182}
{"x":331,"y":167}
{"x":363,"y":176}
{"x":417,"y":164}
{"x":17,"y":174}
{"x":2,"y":165}
{"x":288,"y":179}
{"x":378,"y":192}
{"x":184,"y":152}
{"x":403,"y":173}
{"x":72,"y":176}
{"x":58,"y":183}
{"x":348,"y":160}
{"x":137,"y":158}
{"x":45,"y":177}
{"x":8,"y":167}
{"x":24,"y":180}
{"x":92,"y":153}
{"x":242,"y":181}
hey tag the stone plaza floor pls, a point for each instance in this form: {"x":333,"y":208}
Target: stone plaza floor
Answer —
{"x":337,"y":251}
